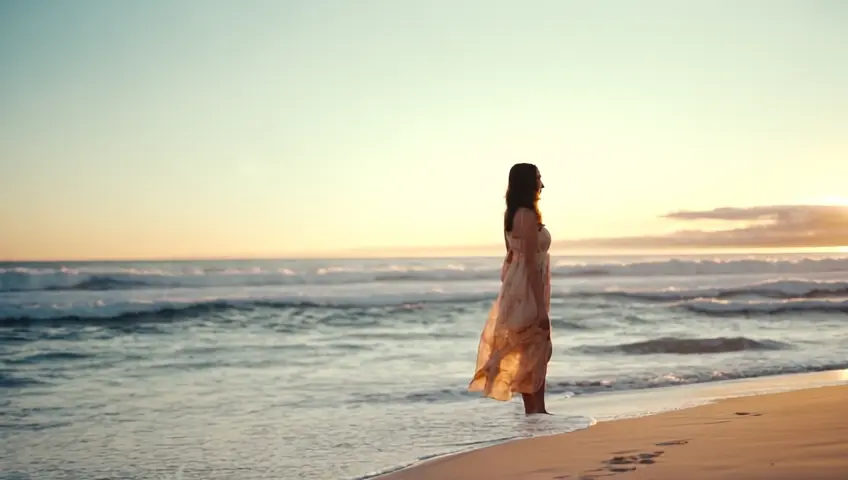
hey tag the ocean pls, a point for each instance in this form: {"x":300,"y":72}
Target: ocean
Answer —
{"x":343,"y":369}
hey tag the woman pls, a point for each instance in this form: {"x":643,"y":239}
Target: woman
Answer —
{"x":515,"y":345}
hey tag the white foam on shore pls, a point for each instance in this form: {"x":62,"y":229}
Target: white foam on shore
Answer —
{"x":611,"y":406}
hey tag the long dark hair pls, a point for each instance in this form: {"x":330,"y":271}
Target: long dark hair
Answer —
{"x":522,"y":191}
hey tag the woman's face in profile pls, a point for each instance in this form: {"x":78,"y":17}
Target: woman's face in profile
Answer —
{"x":539,"y":184}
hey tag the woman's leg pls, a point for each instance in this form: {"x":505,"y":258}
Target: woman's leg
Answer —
{"x":535,"y":402}
{"x":529,"y":403}
{"x":539,"y":395}
{"x":539,"y":400}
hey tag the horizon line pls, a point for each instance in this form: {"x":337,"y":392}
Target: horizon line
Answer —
{"x":652,"y":252}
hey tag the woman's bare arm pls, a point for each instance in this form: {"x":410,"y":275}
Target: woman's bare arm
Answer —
{"x":507,"y":258}
{"x":526,"y":227}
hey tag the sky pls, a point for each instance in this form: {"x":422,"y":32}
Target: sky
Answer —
{"x":206,"y":128}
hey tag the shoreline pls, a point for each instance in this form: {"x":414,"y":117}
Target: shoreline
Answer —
{"x":778,"y":398}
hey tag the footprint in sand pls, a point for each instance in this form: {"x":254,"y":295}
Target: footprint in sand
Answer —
{"x":648,"y":458}
{"x":672,"y":442}
{"x":627,"y":463}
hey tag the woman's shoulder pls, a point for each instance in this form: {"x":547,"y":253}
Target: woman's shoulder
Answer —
{"x":524,"y":218}
{"x":524,"y":212}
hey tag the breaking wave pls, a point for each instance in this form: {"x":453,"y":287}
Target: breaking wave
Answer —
{"x":720,"y":308}
{"x":775,"y":289}
{"x":688,"y":346}
{"x":100,"y":277}
{"x":768,"y":298}
{"x":165,"y":309}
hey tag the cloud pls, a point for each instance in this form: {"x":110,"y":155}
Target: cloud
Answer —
{"x":790,"y":226}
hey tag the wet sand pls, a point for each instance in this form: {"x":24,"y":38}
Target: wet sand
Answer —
{"x":793,"y":435}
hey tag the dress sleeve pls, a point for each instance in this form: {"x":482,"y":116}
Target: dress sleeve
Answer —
{"x":524,"y":225}
{"x":523,"y":218}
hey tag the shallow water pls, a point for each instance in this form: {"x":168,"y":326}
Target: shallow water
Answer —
{"x":341,"y":369}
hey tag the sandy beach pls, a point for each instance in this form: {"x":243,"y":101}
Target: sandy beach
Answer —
{"x":792,"y":435}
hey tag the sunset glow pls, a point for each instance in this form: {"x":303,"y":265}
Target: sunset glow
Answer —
{"x":832,"y":200}
{"x":325,"y":129}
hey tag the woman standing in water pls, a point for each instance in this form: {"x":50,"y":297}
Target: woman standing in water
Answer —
{"x":515,"y":345}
